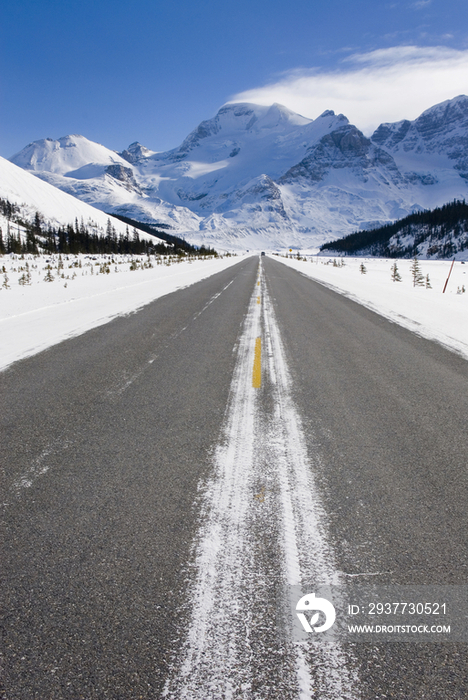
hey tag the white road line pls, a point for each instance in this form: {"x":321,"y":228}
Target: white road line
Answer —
{"x":262,"y":532}
{"x":38,"y":466}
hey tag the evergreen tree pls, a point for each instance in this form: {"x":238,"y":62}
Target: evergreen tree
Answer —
{"x":50,"y":242}
{"x":49,"y":276}
{"x":439,"y":226}
{"x":13,"y":242}
{"x":396,"y":277}
{"x":109,"y":230}
{"x":32,"y":233}
{"x":25,"y":277}
{"x":418,"y":277}
{"x":363,"y":269}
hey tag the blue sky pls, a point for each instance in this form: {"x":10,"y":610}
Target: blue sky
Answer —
{"x":150,"y":71}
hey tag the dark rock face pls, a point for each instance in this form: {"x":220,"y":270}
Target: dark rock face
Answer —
{"x":265,"y":188}
{"x":135,"y":152}
{"x":267,"y":194}
{"x":124,"y":175}
{"x":190,"y":196}
{"x":346,"y":147}
{"x":441,"y":129}
{"x":434,"y":123}
{"x":386,"y":135}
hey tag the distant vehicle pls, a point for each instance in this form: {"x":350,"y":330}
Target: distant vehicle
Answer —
{"x":262,"y":253}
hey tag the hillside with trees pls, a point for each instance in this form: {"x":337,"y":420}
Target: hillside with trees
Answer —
{"x":437,"y":234}
{"x":22,"y":236}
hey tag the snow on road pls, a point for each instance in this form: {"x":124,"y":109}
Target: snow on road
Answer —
{"x":85,"y":292}
{"x":435,"y":315}
{"x":262,"y":536}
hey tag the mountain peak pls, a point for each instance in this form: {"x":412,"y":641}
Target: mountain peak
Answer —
{"x":235,"y":118}
{"x":135,"y":152}
{"x":259,"y":167}
{"x":267,"y":115}
{"x":441,"y":128}
{"x":64,"y":155}
{"x":278,"y":115}
{"x":457,"y":105}
{"x":445,"y":114}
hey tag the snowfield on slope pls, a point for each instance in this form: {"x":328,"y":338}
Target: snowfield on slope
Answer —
{"x":54,"y":206}
{"x":429,"y":312}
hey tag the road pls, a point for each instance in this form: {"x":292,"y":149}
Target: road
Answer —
{"x":158,"y":506}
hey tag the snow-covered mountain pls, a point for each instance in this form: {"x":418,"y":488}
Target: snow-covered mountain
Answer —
{"x":101,"y":178}
{"x":57,"y":208}
{"x":256,"y":176}
{"x":432,"y":151}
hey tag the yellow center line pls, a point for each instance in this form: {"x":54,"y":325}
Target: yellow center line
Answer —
{"x":257,"y":367}
{"x":260,"y":496}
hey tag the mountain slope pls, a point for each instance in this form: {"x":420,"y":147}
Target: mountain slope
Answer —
{"x":431,"y":151}
{"x":100,"y":177}
{"x":440,"y":233}
{"x":33,"y":195}
{"x":65,"y":156}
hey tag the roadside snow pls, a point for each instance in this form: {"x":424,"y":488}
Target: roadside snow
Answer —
{"x":86,"y":291}
{"x":425,"y":311}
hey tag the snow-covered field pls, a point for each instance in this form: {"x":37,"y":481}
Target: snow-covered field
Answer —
{"x":84,"y":292}
{"x":425,"y":310}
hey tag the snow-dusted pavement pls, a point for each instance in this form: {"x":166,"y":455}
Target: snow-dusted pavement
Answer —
{"x":262,"y":533}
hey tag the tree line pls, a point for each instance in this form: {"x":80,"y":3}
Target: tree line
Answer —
{"x":37,"y":237}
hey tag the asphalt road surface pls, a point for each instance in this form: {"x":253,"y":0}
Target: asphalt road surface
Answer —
{"x":158,"y":504}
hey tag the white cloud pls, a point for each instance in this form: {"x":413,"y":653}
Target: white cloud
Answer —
{"x":385,"y":85}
